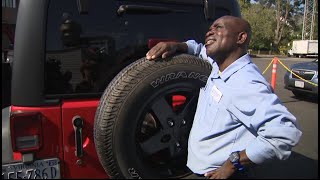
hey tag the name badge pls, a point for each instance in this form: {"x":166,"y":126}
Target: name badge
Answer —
{"x":216,"y":93}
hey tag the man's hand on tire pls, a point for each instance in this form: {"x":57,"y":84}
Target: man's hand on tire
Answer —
{"x":166,"y":49}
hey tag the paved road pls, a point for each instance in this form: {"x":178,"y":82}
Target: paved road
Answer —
{"x":303,"y":163}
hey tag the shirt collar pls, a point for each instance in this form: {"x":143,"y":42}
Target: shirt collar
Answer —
{"x":234,"y":67}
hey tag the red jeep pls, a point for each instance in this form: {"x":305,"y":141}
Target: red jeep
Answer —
{"x":85,"y":103}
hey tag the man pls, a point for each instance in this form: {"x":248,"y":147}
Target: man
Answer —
{"x":239,"y":121}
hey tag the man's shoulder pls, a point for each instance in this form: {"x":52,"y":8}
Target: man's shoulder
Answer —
{"x":250,"y":77}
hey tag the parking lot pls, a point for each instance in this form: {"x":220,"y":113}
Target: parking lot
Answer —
{"x":303,"y":163}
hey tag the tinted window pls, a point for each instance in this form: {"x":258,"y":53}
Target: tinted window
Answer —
{"x":84,"y":52}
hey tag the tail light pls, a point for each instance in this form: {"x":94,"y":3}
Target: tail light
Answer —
{"x":26,"y":131}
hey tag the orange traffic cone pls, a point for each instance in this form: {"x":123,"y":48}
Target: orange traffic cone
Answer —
{"x":274,"y":73}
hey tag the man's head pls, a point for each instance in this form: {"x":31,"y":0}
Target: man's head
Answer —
{"x":228,"y":37}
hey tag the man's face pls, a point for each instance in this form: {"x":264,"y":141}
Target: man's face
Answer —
{"x":221,"y":38}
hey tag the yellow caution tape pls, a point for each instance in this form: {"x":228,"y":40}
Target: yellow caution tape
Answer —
{"x":267,"y":66}
{"x":296,"y":74}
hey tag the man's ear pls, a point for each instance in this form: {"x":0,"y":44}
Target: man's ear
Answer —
{"x":242,"y":37}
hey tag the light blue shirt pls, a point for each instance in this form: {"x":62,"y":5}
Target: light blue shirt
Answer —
{"x":238,"y":110}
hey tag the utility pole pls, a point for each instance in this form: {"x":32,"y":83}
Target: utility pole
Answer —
{"x":309,"y":19}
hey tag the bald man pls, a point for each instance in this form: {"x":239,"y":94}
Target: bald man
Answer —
{"x":239,"y":121}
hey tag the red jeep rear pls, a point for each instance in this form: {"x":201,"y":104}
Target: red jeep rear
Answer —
{"x":66,"y":53}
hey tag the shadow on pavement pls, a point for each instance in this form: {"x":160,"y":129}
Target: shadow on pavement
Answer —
{"x":309,"y":98}
{"x":296,"y":167}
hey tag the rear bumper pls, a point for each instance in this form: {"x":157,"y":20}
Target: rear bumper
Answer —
{"x":308,"y":88}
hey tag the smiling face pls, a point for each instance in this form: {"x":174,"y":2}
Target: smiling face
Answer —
{"x":226,"y":36}
{"x":221,"y":37}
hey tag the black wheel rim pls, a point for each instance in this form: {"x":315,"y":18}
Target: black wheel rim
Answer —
{"x":163,"y":130}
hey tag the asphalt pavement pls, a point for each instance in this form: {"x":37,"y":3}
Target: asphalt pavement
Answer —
{"x":303,"y":162}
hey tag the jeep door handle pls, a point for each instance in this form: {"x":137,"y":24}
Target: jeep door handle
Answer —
{"x":77,"y":122}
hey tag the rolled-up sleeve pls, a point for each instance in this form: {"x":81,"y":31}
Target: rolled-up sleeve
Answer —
{"x":276,"y":129}
{"x":199,"y":50}
{"x":194,"y":48}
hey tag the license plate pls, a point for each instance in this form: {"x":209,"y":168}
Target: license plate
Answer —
{"x":39,"y":169}
{"x":299,"y":84}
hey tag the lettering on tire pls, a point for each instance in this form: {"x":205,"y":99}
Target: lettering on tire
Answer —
{"x":181,"y":75}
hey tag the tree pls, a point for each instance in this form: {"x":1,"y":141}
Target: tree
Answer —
{"x":262,"y":23}
{"x":282,"y":11}
{"x":285,"y":13}
{"x":315,"y":36}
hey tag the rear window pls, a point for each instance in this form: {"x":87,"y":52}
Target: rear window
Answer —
{"x":82,"y":57}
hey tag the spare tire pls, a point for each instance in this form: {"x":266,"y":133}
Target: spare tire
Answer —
{"x":145,"y":115}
